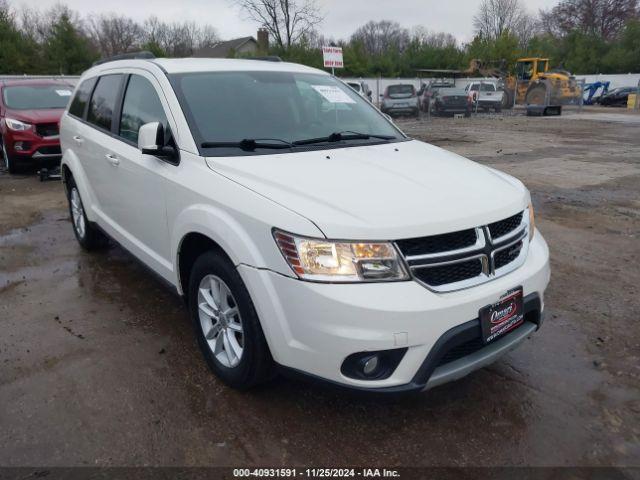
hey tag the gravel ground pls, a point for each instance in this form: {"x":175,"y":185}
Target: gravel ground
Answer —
{"x":98,"y":365}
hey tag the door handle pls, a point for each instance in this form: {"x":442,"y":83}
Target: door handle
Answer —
{"x":112,"y":159}
{"x":78,"y":139}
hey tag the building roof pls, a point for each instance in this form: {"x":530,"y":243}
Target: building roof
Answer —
{"x":222,"y":49}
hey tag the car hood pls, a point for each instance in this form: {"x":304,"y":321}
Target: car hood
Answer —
{"x":51,"y":115}
{"x":380,"y":192}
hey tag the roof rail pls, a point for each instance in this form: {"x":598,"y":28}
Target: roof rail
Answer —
{"x":143,"y":55}
{"x":268,"y":58}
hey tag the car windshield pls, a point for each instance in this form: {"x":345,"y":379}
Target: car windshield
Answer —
{"x":487,"y":87}
{"x":37,"y":97}
{"x":230,"y":111}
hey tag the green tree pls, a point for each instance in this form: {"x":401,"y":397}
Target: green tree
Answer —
{"x":17,"y":53}
{"x":67,"y":50}
{"x":505,"y":47}
{"x":155,"y":48}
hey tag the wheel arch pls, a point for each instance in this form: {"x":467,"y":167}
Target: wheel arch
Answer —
{"x":70,"y":167}
{"x":201,"y":227}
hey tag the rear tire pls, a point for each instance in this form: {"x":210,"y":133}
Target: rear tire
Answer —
{"x":88,"y":235}
{"x":507,"y":99}
{"x":226,"y":324}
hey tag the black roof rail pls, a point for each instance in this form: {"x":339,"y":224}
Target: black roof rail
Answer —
{"x":143,"y":55}
{"x":267,"y":58}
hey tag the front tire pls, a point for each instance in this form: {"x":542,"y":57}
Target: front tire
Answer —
{"x":9,"y":161}
{"x":226,"y":324}
{"x":88,"y":235}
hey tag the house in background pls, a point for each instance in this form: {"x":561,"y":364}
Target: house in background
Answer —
{"x":238,"y":47}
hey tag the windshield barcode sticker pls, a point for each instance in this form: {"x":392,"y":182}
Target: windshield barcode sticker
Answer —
{"x":333,"y":94}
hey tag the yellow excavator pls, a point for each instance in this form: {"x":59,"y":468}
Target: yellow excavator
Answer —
{"x":533,"y":84}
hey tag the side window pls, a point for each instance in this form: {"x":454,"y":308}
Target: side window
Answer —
{"x":103,"y":101}
{"x":141,"y":105}
{"x":81,"y":98}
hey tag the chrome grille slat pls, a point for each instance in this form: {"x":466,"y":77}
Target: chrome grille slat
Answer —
{"x":497,"y":256}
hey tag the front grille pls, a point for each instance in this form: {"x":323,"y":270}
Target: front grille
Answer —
{"x":467,"y":348}
{"x":468,"y":257}
{"x":47,"y":129}
{"x":501,"y":228}
{"x":438,"y":243}
{"x":462,"y":350}
{"x":50,"y":150}
{"x":451,"y":273}
{"x":506,"y":256}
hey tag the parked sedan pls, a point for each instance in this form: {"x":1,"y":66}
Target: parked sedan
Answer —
{"x":30,"y":111}
{"x":399,"y":99}
{"x":451,"y":100}
{"x":617,"y":96}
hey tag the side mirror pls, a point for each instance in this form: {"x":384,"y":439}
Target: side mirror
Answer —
{"x":151,"y":138}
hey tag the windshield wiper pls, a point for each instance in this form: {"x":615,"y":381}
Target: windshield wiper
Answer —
{"x":345,"y":135}
{"x":250,"y":144}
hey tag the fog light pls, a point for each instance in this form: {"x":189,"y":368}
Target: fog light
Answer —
{"x":17,"y":146}
{"x":370,"y":365}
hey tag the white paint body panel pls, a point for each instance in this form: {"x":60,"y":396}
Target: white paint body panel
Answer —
{"x":382,"y":192}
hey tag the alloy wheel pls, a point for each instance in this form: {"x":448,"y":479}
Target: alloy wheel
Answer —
{"x":5,"y":156}
{"x":220,"y":321}
{"x":77,"y":212}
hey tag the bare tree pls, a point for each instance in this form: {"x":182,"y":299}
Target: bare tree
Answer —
{"x":495,"y":17}
{"x":114,"y":34}
{"x":379,"y":37}
{"x":527,"y":28}
{"x":37,"y":24}
{"x":604,"y":18}
{"x":287,"y":21}
{"x":432,"y":39}
{"x":178,"y":39}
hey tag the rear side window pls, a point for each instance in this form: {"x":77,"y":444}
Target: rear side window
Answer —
{"x":103,"y":101}
{"x":141,"y":105}
{"x":404,"y":90}
{"x":81,"y":98}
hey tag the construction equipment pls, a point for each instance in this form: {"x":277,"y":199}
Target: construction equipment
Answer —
{"x":533,"y":84}
{"x":592,"y":88}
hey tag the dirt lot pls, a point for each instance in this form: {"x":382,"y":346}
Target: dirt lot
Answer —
{"x":98,"y":365}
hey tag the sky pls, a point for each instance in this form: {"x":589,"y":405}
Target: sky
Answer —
{"x":342,"y":17}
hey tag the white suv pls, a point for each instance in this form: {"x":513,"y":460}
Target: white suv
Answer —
{"x":306,"y":232}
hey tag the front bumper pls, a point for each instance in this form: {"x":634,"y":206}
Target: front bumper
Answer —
{"x":35,"y":147}
{"x":312,"y":327}
{"x":391,"y":108}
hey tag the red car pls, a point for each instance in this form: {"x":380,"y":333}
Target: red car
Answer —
{"x":30,"y":111}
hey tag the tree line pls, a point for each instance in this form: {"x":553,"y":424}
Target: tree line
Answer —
{"x":582,"y":36}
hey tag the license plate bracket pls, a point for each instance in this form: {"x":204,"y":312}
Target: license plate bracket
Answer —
{"x":503,"y":316}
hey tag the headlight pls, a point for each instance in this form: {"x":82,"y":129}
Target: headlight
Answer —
{"x":532,"y":222}
{"x":17,"y":125}
{"x":338,"y":261}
